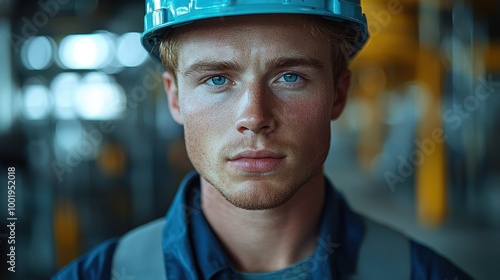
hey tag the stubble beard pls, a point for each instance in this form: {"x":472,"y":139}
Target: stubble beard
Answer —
{"x":261,"y":197}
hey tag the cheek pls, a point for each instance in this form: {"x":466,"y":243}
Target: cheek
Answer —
{"x":315,"y":106}
{"x":310,"y":114}
{"x":203,"y":127}
{"x":310,"y":123}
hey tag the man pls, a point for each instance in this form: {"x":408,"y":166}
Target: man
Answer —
{"x":255,"y":85}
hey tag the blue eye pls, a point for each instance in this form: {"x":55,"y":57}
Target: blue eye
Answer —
{"x":217,"y":80}
{"x":290,"y":78}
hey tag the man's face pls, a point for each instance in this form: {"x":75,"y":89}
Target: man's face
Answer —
{"x":256,"y":96}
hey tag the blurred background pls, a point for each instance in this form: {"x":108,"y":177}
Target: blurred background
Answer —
{"x":85,"y":123}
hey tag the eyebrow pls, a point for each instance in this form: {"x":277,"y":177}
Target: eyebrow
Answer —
{"x":282,"y":62}
{"x":211,"y":66}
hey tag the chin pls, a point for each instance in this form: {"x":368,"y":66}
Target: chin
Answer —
{"x":258,"y":196}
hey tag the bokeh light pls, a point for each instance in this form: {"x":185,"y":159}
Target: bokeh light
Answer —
{"x":86,"y":51}
{"x":130,"y":52}
{"x":99,"y":97}
{"x":37,"y":53}
{"x":63,"y":88}
{"x":36,"y":102}
{"x":68,"y":134}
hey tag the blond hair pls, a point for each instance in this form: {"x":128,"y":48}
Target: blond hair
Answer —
{"x":341,"y":36}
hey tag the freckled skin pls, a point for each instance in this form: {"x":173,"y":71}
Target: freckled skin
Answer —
{"x":256,"y":108}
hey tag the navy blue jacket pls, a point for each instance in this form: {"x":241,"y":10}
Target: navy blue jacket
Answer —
{"x":192,"y":251}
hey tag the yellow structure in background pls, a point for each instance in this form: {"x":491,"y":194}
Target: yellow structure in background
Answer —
{"x":430,"y":179}
{"x":387,"y":62}
{"x":431,"y":175}
{"x":396,"y":50}
{"x":112,"y":160}
{"x":66,"y":237}
{"x":492,"y":57}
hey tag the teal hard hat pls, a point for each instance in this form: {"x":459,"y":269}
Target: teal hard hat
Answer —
{"x":163,"y":15}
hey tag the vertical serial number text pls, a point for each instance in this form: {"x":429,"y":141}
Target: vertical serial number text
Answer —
{"x":11,"y":218}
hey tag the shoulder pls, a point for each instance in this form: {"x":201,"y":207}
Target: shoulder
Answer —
{"x":100,"y":261}
{"x":384,"y":253}
{"x":96,"y":264}
{"x":383,"y":246}
{"x":139,"y":252}
{"x":427,"y":264}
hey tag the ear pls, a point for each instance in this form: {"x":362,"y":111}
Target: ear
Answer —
{"x":173,"y":97}
{"x":340,"y":99}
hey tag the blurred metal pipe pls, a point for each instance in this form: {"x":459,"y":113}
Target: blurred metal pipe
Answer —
{"x":6,"y":86}
{"x":462,"y":81}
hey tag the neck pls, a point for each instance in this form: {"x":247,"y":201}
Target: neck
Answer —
{"x":267,"y":240}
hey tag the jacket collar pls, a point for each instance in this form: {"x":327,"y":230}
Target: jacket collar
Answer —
{"x":192,"y":250}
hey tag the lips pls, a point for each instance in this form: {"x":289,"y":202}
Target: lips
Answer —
{"x":260,"y":161}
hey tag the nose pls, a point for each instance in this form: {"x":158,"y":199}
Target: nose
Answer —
{"x":256,"y":110}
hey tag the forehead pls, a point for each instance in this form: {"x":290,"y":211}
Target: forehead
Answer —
{"x":255,"y":36}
